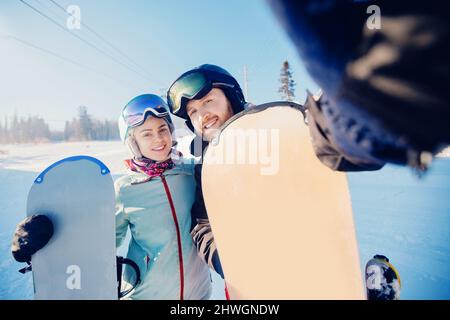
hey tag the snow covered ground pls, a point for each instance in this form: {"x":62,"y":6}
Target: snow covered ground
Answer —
{"x":444,"y":153}
{"x":407,"y":219}
{"x":396,"y":214}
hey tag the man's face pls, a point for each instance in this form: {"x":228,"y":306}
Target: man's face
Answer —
{"x":209,"y":113}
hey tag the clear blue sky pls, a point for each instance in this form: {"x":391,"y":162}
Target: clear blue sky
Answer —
{"x":164,"y":37}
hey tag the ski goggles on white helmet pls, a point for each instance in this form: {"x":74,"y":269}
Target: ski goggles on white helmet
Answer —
{"x":138,"y":109}
{"x":195,"y":84}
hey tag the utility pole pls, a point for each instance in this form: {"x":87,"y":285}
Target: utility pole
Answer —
{"x":245,"y":83}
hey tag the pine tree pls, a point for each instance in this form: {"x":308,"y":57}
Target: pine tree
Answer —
{"x":85,"y":124}
{"x":67,"y":131}
{"x":2,"y":133}
{"x":5,"y":134}
{"x":287,"y":84}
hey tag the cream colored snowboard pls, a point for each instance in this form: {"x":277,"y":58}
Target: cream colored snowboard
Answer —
{"x":282,"y":221}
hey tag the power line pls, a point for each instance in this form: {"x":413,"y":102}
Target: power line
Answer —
{"x":62,"y":57}
{"x":101,"y":37}
{"x":58,"y":15}
{"x":64,"y":16}
{"x":50,"y":9}
{"x":83,"y":40}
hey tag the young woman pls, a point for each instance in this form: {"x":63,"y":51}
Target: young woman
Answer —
{"x":154,"y":201}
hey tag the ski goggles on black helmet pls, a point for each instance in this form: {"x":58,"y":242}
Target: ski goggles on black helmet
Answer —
{"x":138,"y":109}
{"x":195,"y":84}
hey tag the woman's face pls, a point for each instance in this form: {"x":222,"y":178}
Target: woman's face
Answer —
{"x":154,"y":139}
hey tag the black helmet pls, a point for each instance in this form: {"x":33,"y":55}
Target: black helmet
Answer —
{"x":197,"y":82}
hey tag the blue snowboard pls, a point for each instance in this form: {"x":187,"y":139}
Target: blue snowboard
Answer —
{"x":79,"y":262}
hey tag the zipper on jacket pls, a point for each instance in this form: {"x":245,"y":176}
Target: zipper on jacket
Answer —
{"x":177,"y":226}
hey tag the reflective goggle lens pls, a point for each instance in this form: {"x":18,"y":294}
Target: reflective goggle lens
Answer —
{"x":134,"y":113}
{"x":188,"y":86}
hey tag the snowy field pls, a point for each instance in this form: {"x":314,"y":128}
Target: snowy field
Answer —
{"x":396,"y":214}
{"x":408,"y":220}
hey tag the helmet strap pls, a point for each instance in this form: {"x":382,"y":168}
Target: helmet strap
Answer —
{"x":134,"y":148}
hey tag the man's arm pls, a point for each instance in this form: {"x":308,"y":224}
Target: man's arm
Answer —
{"x":324,"y":146}
{"x":386,"y":87}
{"x":201,"y":229}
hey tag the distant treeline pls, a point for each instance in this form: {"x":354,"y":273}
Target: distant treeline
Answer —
{"x":84,"y":127}
{"x":35,"y":129}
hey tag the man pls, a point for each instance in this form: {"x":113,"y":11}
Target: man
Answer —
{"x":206,"y":97}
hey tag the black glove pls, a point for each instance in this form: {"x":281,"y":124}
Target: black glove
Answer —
{"x":31,"y":235}
{"x":322,"y":140}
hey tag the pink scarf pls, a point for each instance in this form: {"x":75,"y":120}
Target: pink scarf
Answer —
{"x":151,"y":167}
